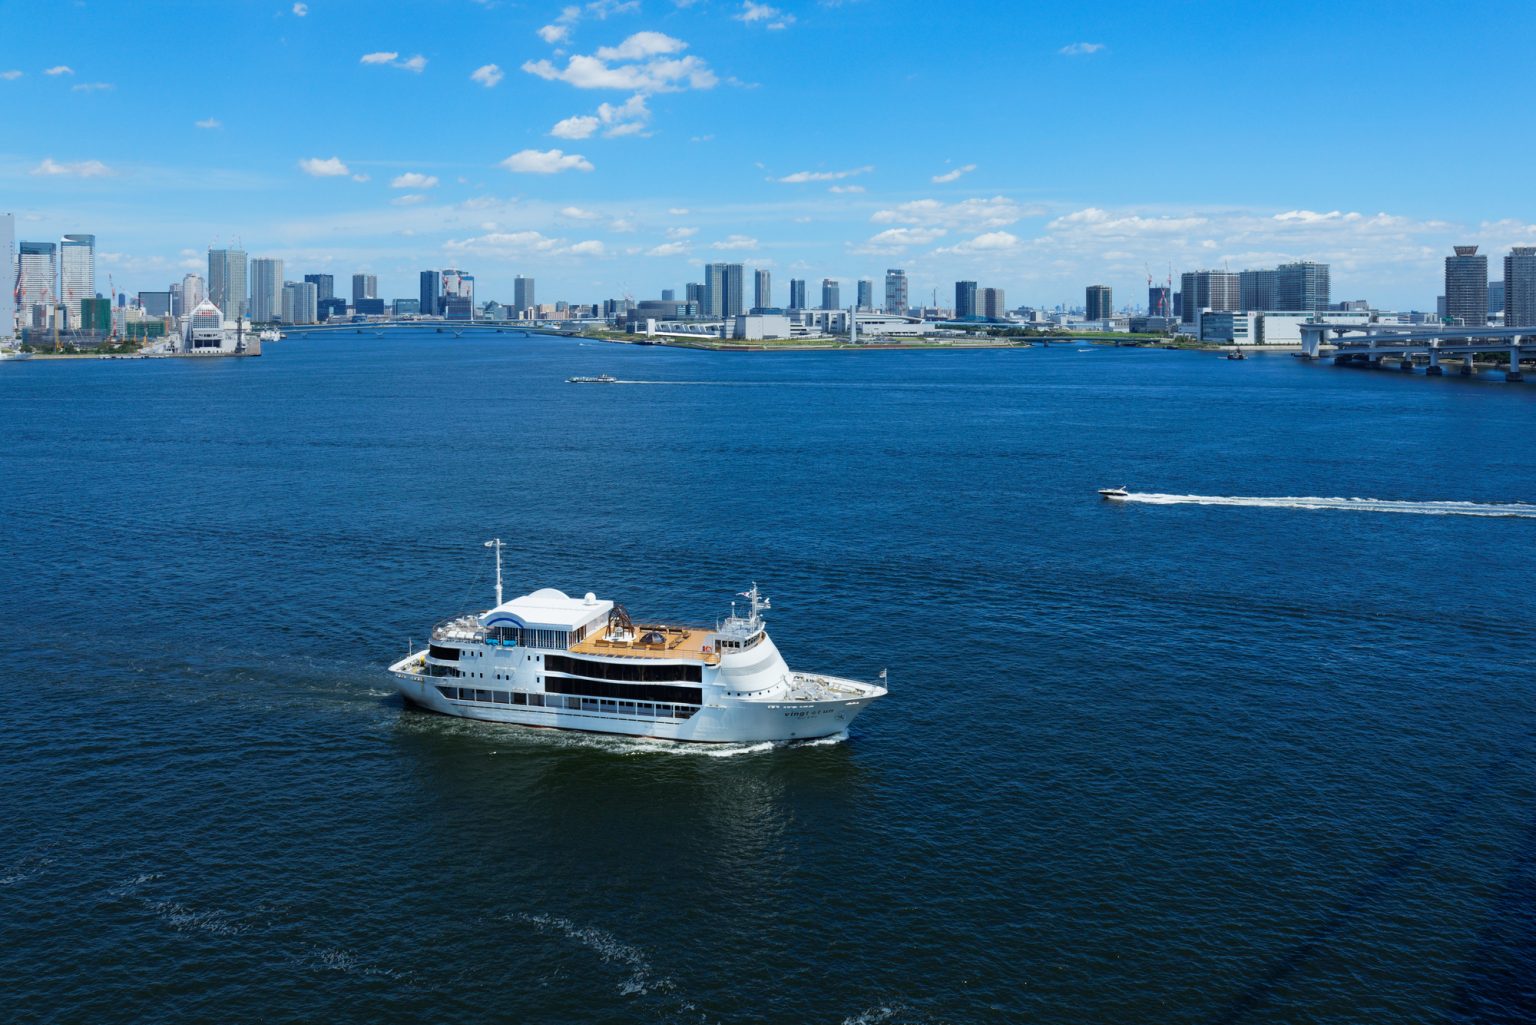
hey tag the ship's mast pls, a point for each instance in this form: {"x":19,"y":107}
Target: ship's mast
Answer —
{"x":496,"y":544}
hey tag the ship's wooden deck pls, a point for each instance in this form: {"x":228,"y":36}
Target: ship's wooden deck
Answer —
{"x":682,"y":642}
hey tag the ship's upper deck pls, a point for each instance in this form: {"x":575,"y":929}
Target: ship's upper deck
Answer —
{"x":675,"y":642}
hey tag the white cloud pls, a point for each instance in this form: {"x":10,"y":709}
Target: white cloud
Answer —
{"x":523,"y":243}
{"x":579,"y":126}
{"x":554,"y":34}
{"x":300,"y":10}
{"x":824,"y":176}
{"x":60,"y":69}
{"x":409,"y":199}
{"x":417,"y":63}
{"x":579,"y":214}
{"x":532,"y":161}
{"x":622,"y":225}
{"x":949,"y":176}
{"x":736,"y":242}
{"x":83,"y":169}
{"x":591,"y":247}
{"x":487,"y":75}
{"x":678,"y":211}
{"x":645,"y":62}
{"x":752,"y":13}
{"x":987,"y":242}
{"x":381,"y":57}
{"x":92,"y":87}
{"x":328,"y":168}
{"x":1103,"y":224}
{"x":678,"y":234}
{"x":668,"y":249}
{"x":10,"y":76}
{"x":840,"y":189}
{"x":1080,"y":49}
{"x":973,"y":214}
{"x":209,"y":122}
{"x":627,"y":118}
{"x":414,"y":180}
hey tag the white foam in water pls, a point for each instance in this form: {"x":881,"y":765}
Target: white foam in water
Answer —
{"x":1514,"y":510}
{"x":611,"y":950}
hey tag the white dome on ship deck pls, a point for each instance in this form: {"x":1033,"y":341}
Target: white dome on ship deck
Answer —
{"x":550,"y":592}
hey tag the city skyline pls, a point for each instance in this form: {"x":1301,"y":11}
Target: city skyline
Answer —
{"x":618,"y":149}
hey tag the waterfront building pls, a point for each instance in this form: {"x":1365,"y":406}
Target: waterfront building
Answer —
{"x":407,"y":307}
{"x":364,"y":286}
{"x":522,"y":295}
{"x":896,"y":291}
{"x":1159,"y":303}
{"x":77,"y":273}
{"x":177,"y":307}
{"x":723,"y":290}
{"x":193,"y":291}
{"x":431,"y":291}
{"x":325,"y":285}
{"x":796,"y":294}
{"x":301,"y":302}
{"x":866,"y":303}
{"x":990,"y":304}
{"x":1496,"y":295}
{"x":1216,"y":290}
{"x":375,"y":308}
{"x":1520,"y":287}
{"x":156,"y":304}
{"x":1099,"y":304}
{"x":831,"y":294}
{"x":458,"y":286}
{"x":669,"y":295}
{"x":694,"y":292}
{"x":965,"y":300}
{"x":1466,"y":287}
{"x":7,"y":276}
{"x":1178,"y":306}
{"x":762,"y":291}
{"x":36,"y":275}
{"x":1256,"y":290}
{"x":227,"y":282}
{"x":1302,"y":287}
{"x":334,"y":307}
{"x":266,"y":290}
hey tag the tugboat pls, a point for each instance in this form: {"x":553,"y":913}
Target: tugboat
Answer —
{"x":549,"y":660}
{"x":599,"y":379}
{"x":1114,"y":494}
{"x":1236,"y":354}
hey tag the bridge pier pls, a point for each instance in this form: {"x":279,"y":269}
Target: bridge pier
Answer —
{"x":1433,"y":370}
{"x":1407,"y":363}
{"x":1467,"y":368}
{"x":1514,"y":364}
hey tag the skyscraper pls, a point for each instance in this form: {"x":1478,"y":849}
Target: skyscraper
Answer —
{"x":458,"y":299}
{"x":866,"y":295}
{"x":300,"y":301}
{"x":722,"y":289}
{"x":762,"y":290}
{"x":37,"y":274}
{"x":1257,"y":291}
{"x":193,"y":291}
{"x":431,"y":291}
{"x":1520,"y":287}
{"x":1216,"y":290}
{"x":1159,"y":304}
{"x":7,"y":275}
{"x":227,"y":282}
{"x":965,"y":300}
{"x":1100,"y":304}
{"x":831,"y":294}
{"x":1466,"y":287}
{"x":1496,"y":297}
{"x":990,"y":305}
{"x":522,"y":295}
{"x":797,"y":293}
{"x":1303,"y":287}
{"x":325,"y":285}
{"x":896,"y":292}
{"x":693,"y":292}
{"x":266,"y":290}
{"x":77,"y":273}
{"x":364,"y":286}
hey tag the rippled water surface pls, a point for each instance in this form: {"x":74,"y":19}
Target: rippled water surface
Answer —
{"x":1193,"y":759}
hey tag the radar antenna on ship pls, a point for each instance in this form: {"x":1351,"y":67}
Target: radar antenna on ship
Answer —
{"x":758,"y":603}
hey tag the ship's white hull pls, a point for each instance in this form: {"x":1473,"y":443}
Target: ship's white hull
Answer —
{"x":729,"y":721}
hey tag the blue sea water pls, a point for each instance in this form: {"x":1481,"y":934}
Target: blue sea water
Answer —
{"x":1144,"y":762}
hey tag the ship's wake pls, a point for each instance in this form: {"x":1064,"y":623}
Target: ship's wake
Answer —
{"x":1512,"y":510}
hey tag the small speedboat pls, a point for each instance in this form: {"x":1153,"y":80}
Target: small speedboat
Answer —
{"x":1114,"y":493}
{"x":599,"y":379}
{"x":1236,"y":354}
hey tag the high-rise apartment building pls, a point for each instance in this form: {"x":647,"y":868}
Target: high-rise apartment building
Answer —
{"x":193,"y":291}
{"x":797,"y":293}
{"x":831,"y":294}
{"x":364,"y":286}
{"x":1216,"y":290}
{"x":1496,"y":297}
{"x":37,"y":274}
{"x":1100,"y":302}
{"x":1159,"y":303}
{"x":990,"y":305}
{"x":866,"y":301}
{"x":1520,"y":287}
{"x":325,"y":285}
{"x":7,"y":275}
{"x":431,"y":293}
{"x":669,"y":295}
{"x":1257,"y":291}
{"x":227,"y":282}
{"x":266,"y":290}
{"x":762,"y":289}
{"x":896,"y":292}
{"x":301,"y":302}
{"x":1302,"y":287}
{"x":1466,"y":287}
{"x":693,"y":292}
{"x":965,"y":300}
{"x":723,"y":289}
{"x":522,"y":295}
{"x":77,"y":273}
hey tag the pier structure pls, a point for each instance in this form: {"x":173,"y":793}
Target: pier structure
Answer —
{"x":1370,"y":343}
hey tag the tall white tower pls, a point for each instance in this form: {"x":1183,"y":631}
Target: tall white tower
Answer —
{"x":7,"y":276}
{"x":77,"y":274}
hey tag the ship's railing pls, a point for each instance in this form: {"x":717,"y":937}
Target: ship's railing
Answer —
{"x":460,"y":628}
{"x":814,"y":685}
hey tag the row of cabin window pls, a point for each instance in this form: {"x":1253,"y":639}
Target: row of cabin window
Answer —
{"x":517,"y":697}
{"x":629,"y":672}
{"x":559,"y":639}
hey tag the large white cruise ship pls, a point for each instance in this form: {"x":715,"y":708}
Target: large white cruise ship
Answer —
{"x":545,"y":659}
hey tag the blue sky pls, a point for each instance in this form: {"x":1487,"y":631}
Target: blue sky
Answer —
{"x":612,"y":148}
